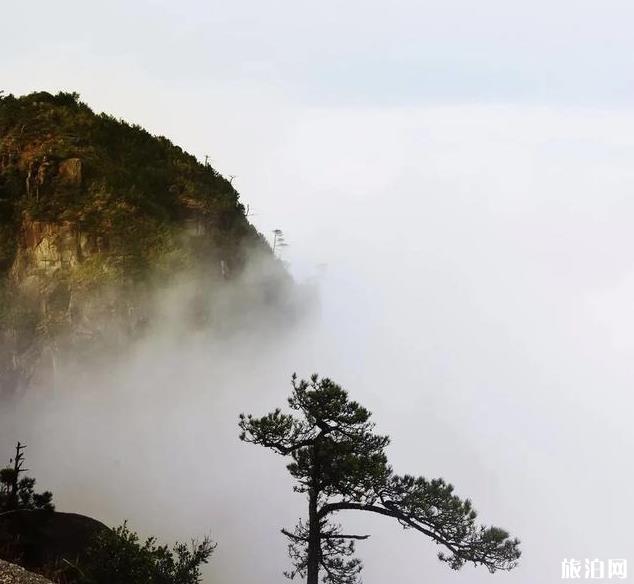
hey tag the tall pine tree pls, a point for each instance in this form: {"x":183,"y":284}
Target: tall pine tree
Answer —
{"x":339,"y":463}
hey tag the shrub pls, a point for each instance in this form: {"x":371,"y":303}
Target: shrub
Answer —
{"x":119,"y":557}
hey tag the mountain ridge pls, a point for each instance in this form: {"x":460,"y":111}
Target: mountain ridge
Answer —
{"x":97,"y":214}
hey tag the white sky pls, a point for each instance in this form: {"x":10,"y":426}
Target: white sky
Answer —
{"x":465,"y":171}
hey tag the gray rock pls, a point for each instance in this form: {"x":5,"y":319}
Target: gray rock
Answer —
{"x":12,"y":574}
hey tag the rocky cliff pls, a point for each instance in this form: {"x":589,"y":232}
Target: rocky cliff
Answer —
{"x":96,"y":215}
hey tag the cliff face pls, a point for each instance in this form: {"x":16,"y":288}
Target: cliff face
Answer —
{"x":95,"y":216}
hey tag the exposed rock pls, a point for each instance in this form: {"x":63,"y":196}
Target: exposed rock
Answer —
{"x":97,"y":217}
{"x":13,"y":574}
{"x":47,"y":247}
{"x":69,"y":172}
{"x":38,"y":539}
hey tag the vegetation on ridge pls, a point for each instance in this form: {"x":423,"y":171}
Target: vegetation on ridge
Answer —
{"x":17,"y":492}
{"x":96,"y":216}
{"x":130,"y":187}
{"x":84,"y":551}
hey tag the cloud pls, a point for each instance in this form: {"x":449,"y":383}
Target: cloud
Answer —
{"x":464,"y":172}
{"x":476,"y":297}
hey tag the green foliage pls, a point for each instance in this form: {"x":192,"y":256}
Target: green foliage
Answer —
{"x":135,"y":187}
{"x":27,"y":498}
{"x":18,"y":492}
{"x":340,"y":463}
{"x":95,"y":214}
{"x":119,"y":557}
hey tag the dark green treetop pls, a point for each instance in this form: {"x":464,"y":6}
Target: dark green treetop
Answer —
{"x":18,"y":492}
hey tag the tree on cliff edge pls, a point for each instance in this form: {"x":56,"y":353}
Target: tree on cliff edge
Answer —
{"x":340,"y":464}
{"x":17,"y":492}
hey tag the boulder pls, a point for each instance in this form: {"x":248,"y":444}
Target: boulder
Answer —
{"x":13,"y":574}
{"x":38,"y":539}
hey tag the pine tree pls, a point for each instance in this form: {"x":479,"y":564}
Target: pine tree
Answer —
{"x":18,"y":492}
{"x":339,"y":463}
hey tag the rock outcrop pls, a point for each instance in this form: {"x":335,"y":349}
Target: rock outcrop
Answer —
{"x":39,"y":540}
{"x":14,"y":574}
{"x":95,"y":215}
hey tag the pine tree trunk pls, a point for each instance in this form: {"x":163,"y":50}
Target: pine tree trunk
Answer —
{"x":314,"y":544}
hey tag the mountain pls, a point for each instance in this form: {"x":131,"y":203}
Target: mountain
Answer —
{"x":97,"y":216}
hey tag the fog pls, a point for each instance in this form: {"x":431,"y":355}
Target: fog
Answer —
{"x":456,"y":179}
{"x":475,"y":273}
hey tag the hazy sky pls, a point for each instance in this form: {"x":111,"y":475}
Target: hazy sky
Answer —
{"x":404,"y":52}
{"x":464,"y":170}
